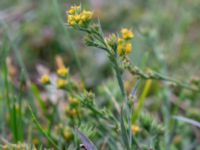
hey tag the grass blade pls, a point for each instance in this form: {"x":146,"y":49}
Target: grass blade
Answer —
{"x":187,"y":120}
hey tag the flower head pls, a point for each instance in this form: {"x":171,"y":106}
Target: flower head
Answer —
{"x":128,"y":48}
{"x":73,"y":102}
{"x":124,"y":48}
{"x":45,"y":79}
{"x":61,"y":83}
{"x":135,"y":129}
{"x":74,"y":9}
{"x":127,"y":34}
{"x":63,"y":72}
{"x":67,"y":134}
{"x":75,"y":16}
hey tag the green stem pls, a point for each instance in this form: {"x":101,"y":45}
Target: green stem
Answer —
{"x":41,"y":129}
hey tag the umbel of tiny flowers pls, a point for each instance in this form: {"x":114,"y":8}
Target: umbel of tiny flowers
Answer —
{"x":61,"y":83}
{"x":78,"y":17}
{"x":124,"y":45}
{"x":63,"y":72}
{"x":45,"y":80}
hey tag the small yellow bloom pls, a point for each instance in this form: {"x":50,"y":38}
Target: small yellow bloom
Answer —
{"x":127,"y":34}
{"x":72,"y":112}
{"x":77,"y":18}
{"x":120,"y":49}
{"x":125,"y":48}
{"x":73,"y":101}
{"x":67,"y":133}
{"x":128,"y":48}
{"x":63,"y":72}
{"x":71,"y":20}
{"x":73,"y":10}
{"x":86,"y":15}
{"x":120,"y":40}
{"x":135,"y":129}
{"x":45,"y":79}
{"x":61,"y":83}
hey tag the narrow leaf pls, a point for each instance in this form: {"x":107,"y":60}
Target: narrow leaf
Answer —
{"x":86,"y":142}
{"x":187,"y":120}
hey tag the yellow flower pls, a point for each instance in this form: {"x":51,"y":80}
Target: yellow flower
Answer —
{"x":63,"y":72}
{"x":73,"y":10}
{"x":71,"y":20}
{"x":72,"y":112}
{"x":67,"y":133}
{"x":135,"y":129}
{"x":128,"y":48}
{"x":73,"y":102}
{"x":120,"y":49}
{"x":86,"y":15}
{"x":61,"y":83}
{"x":127,"y":34}
{"x":76,"y":16}
{"x":45,"y":79}
{"x":125,"y":48}
{"x":120,"y":40}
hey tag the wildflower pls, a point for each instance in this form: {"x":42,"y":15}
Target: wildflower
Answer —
{"x":112,"y":40}
{"x":127,"y":34}
{"x":135,"y":129}
{"x":63,"y":72}
{"x":73,"y":102}
{"x":78,"y":17}
{"x":128,"y":48}
{"x":45,"y":79}
{"x":67,"y":134}
{"x":73,"y":9}
{"x":124,"y":48}
{"x":72,"y":112}
{"x":120,"y":40}
{"x":86,"y":15}
{"x":61,"y":83}
{"x":120,"y":49}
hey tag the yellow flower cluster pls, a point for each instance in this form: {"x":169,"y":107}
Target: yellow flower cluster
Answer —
{"x":73,"y":102}
{"x":72,"y":112}
{"x":63,"y":72}
{"x":127,"y":34}
{"x":61,"y":84}
{"x":135,"y":129}
{"x":72,"y":109}
{"x":75,"y":16}
{"x":45,"y":79}
{"x":68,"y":134}
{"x":124,"y":46}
